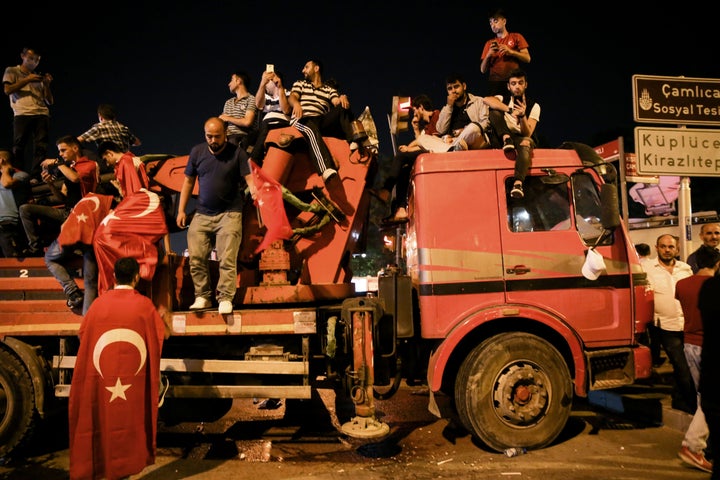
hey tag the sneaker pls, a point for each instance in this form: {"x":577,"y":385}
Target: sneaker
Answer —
{"x":517,"y":190}
{"x":697,"y":460}
{"x":164,"y":386}
{"x":75,"y":299}
{"x":200,"y":304}
{"x":354,"y":146}
{"x":225,"y":307}
{"x":508,"y":145}
{"x":328,"y":174}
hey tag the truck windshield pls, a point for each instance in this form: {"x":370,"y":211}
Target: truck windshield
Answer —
{"x":544,"y":207}
{"x":547,"y":207}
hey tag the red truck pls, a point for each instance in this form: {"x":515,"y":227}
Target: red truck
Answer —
{"x":490,"y":286}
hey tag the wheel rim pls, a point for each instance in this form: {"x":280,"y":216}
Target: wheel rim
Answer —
{"x":520,"y":394}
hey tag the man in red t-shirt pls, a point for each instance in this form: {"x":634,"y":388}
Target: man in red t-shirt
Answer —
{"x":502,"y":54}
{"x":687,"y":291}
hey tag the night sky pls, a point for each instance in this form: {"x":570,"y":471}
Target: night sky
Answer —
{"x":166,"y":66}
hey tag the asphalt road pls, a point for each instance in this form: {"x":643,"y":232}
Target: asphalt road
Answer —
{"x":301,"y":440}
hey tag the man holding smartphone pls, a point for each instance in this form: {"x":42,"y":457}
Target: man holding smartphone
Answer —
{"x":502,"y":53}
{"x":513,"y":118}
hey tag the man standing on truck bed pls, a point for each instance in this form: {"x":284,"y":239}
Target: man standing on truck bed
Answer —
{"x":223,"y":172}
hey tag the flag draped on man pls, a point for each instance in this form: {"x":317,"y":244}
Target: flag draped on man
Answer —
{"x":131,"y":230}
{"x":272,"y":209}
{"x":86,"y":215}
{"x":113,"y":406}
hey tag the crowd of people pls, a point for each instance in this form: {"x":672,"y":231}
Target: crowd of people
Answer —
{"x":78,"y":223}
{"x":683,"y":321}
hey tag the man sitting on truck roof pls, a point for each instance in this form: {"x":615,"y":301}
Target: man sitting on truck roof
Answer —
{"x":462,"y":122}
{"x":514,"y":118}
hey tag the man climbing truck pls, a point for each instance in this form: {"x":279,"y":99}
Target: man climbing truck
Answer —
{"x":522,"y":304}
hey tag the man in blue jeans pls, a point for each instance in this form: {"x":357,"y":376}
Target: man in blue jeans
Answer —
{"x":76,"y":239}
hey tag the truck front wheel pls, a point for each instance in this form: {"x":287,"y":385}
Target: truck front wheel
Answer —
{"x":17,"y":404}
{"x":514,"y":390}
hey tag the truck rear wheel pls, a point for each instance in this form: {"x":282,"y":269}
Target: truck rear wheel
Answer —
{"x":514,"y":390}
{"x":17,"y":404}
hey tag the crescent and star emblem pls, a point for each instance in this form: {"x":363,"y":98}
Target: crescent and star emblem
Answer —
{"x":153,"y":202}
{"x":113,"y":336}
{"x":90,"y":198}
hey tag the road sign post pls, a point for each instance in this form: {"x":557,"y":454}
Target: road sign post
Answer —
{"x":678,"y":151}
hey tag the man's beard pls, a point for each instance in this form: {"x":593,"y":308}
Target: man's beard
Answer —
{"x":216,"y":147}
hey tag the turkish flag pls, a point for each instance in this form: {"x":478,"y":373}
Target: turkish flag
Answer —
{"x":131,"y":230}
{"x":270,"y":201}
{"x":86,"y":215}
{"x":113,"y":404}
{"x":130,"y":174}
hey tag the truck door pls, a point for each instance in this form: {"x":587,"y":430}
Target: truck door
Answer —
{"x":544,"y":242}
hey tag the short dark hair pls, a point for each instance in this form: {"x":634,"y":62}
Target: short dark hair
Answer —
{"x":454,"y":77}
{"x":707,"y":257}
{"x":107,"y":111}
{"x":497,"y":13}
{"x":108,"y":146}
{"x":642,"y":249}
{"x":422,"y":100}
{"x":125,"y":270}
{"x":242,"y":75}
{"x":68,"y":140}
{"x":517,"y":73}
{"x":318,"y":63}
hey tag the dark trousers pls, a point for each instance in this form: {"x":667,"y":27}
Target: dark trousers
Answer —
{"x":710,"y":403}
{"x":30,"y":131}
{"x":524,"y":152}
{"x":684,"y":394}
{"x":336,"y":123}
{"x":399,"y":176}
{"x":11,"y":239}
{"x":258,"y":151}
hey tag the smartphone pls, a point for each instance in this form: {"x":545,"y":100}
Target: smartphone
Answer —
{"x":269,"y":67}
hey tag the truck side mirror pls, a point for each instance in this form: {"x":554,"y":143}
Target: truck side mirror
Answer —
{"x":610,"y":213}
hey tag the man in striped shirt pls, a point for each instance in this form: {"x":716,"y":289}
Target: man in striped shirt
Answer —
{"x":318,"y":109}
{"x":239,"y":112}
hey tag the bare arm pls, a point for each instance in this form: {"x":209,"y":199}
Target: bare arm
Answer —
{"x":260,"y":95}
{"x":14,"y":87}
{"x":185,"y":193}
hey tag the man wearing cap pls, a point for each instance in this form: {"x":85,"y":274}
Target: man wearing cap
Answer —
{"x":668,"y":322}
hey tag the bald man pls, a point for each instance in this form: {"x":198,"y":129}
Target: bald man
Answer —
{"x":710,"y":235}
{"x":223,"y":171}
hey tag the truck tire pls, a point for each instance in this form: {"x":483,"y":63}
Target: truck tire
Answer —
{"x":514,"y":390}
{"x":17,"y":404}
